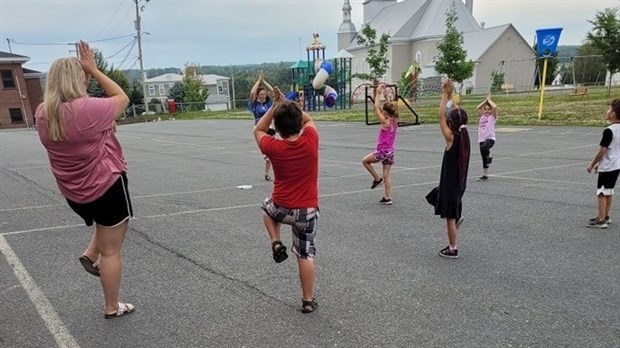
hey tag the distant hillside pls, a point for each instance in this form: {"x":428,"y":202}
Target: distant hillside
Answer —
{"x":567,"y":51}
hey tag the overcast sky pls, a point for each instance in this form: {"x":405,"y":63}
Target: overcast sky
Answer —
{"x":221,"y":32}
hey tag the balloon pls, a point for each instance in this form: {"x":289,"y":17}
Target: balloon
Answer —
{"x":319,"y":79}
{"x":327,"y":66}
{"x":329,"y":97}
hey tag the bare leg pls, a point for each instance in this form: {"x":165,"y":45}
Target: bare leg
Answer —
{"x":387,"y":180}
{"x":273,"y":227}
{"x":109,"y":241}
{"x":367,"y":162}
{"x":602,"y":207}
{"x":92,"y":252}
{"x":306,"y":277}
{"x":608,"y":205}
{"x":267,"y":166}
{"x":451,"y":225}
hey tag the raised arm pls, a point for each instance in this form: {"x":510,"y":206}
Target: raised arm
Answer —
{"x":111,"y":88}
{"x":446,"y":96}
{"x":492,"y":104}
{"x":254,"y":90}
{"x":377,"y":106}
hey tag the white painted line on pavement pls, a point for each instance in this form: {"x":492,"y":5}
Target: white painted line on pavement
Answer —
{"x":54,"y":324}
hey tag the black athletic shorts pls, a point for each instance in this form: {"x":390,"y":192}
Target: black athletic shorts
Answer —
{"x":109,"y":210}
{"x":606,"y":182}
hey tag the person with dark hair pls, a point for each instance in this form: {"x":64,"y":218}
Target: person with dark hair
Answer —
{"x":294,"y":199}
{"x":87,"y":161}
{"x":454,"y":168}
{"x":606,"y":162}
{"x":387,"y":113}
{"x":259,"y":103}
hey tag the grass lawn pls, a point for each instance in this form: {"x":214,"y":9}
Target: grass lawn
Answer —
{"x":514,"y":109}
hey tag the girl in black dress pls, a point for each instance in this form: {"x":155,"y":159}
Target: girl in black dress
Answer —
{"x":453,"y":124}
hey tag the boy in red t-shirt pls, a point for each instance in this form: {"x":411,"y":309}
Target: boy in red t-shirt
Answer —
{"x":294,"y":199}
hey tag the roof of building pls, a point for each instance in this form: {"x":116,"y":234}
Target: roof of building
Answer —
{"x":476,"y":43}
{"x":6,"y":57}
{"x":412,"y":20}
{"x":208,"y":79}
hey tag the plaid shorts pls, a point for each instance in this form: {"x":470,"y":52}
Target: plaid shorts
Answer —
{"x":303,"y":222}
{"x":384,"y":156}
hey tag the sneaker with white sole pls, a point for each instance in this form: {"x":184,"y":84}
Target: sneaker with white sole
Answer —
{"x":607,"y":219}
{"x":597,"y":224}
{"x":451,"y":254}
{"x":386,"y":201}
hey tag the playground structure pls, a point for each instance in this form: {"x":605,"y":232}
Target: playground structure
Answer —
{"x":325,"y":84}
{"x":392,"y":95}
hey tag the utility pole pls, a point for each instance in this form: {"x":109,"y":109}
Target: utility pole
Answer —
{"x":232,"y":76}
{"x":143,"y":77}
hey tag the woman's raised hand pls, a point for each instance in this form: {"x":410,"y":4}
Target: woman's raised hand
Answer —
{"x":87,"y":57}
{"x":447,"y":87}
{"x":278,"y":96}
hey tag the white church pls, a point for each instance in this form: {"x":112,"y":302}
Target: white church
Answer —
{"x":417,"y":26}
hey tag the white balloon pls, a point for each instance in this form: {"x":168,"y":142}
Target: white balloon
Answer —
{"x":319,"y":79}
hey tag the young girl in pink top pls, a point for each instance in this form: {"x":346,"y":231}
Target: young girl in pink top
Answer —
{"x":384,"y":151}
{"x":86,"y":159}
{"x":487,"y":115}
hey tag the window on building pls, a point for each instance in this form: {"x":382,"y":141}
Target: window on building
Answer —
{"x":16,"y":115}
{"x":7,"y":78}
{"x":151,"y":90}
{"x":162,"y":90}
{"x":222,"y":87}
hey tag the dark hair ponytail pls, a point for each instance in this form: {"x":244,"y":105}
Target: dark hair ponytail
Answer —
{"x":458,"y":124}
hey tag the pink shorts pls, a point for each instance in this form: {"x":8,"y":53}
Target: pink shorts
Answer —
{"x":384,"y":156}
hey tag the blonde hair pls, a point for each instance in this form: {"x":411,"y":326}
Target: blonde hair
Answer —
{"x":65,"y":83}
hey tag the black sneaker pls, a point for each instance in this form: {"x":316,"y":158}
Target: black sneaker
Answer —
{"x":386,"y":201}
{"x":607,"y":219}
{"x":597,"y":224}
{"x":451,"y":254}
{"x":483,"y":178}
{"x":376,"y":183}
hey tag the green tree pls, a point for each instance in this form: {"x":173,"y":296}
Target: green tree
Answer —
{"x":196,"y":92}
{"x":116,"y":75}
{"x":497,"y":80}
{"x":136,"y":96}
{"x":177,"y":92}
{"x":605,"y":37}
{"x":553,"y":64}
{"x":452,"y":57}
{"x":376,"y":57}
{"x":589,"y":66}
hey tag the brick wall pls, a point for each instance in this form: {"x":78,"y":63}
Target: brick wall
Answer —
{"x":35,"y":95}
{"x":10,"y":98}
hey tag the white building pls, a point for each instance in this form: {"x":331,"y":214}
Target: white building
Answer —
{"x":219,"y":92}
{"x":417,"y":26}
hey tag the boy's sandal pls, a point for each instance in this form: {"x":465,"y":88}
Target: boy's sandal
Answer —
{"x":279,"y":251}
{"x":123,"y":308}
{"x":267,"y":177}
{"x":89,"y":265}
{"x":309,"y":306}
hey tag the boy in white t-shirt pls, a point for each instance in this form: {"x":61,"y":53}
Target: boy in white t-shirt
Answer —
{"x":487,"y":115}
{"x":607,"y":163}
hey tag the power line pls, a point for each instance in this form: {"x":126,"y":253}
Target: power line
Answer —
{"x":105,"y":27}
{"x":66,"y":43}
{"x":119,"y":51}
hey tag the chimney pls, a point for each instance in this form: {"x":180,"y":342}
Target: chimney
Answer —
{"x":470,"y":6}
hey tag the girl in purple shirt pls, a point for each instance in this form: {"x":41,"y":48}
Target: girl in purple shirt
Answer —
{"x":86,"y":159}
{"x":384,"y":150}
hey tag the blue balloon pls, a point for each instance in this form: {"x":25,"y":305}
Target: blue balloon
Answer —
{"x":327,"y":66}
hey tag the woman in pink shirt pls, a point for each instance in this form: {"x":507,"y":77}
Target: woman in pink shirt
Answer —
{"x":384,"y":151}
{"x":86,"y":159}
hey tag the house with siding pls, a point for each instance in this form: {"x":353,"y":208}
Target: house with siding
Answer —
{"x":158,"y":87}
{"x":417,"y":26}
{"x":20,"y":91}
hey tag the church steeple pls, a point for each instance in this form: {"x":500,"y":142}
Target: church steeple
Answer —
{"x":347,"y":30}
